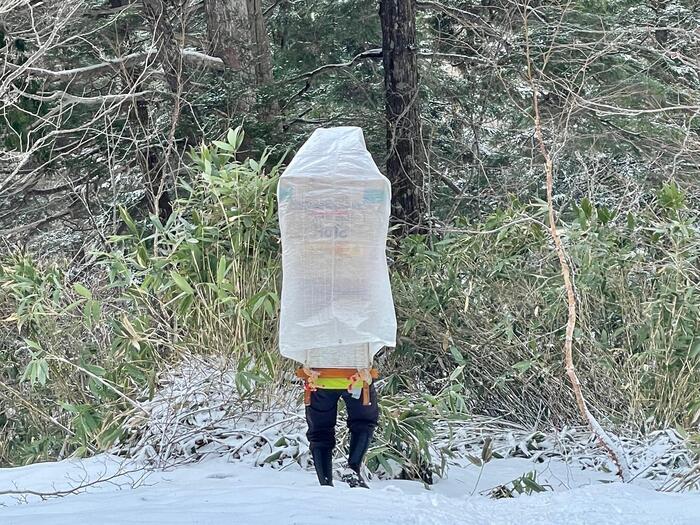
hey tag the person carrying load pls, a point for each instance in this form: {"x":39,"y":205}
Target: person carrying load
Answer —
{"x":337,"y":310}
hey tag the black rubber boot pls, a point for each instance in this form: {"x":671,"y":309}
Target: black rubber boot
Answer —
{"x":359,"y":444}
{"x":353,"y":477}
{"x":323,"y":463}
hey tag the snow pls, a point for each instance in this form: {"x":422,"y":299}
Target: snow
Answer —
{"x":216,"y":491}
{"x":202,"y":455}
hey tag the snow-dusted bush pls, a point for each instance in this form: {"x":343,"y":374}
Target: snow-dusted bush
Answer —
{"x":480,"y":314}
{"x":481,"y":311}
{"x":77,"y":354}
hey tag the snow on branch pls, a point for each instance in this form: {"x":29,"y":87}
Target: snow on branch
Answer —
{"x":309,"y":75}
{"x":66,"y":75}
{"x":617,"y":454}
{"x":370,"y":53}
{"x":90,"y":101}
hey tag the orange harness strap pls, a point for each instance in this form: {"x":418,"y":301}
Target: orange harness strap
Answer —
{"x":348,"y":373}
{"x":335,"y":372}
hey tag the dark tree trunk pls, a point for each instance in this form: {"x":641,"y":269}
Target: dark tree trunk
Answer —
{"x":237,"y":34}
{"x":228,"y":30}
{"x":262,"y":56}
{"x":164,"y":40}
{"x":260,"y":43}
{"x":405,"y":156}
{"x":168,"y":55}
{"x":661,"y":35}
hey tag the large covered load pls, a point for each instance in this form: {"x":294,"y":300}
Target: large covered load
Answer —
{"x":337,"y":310}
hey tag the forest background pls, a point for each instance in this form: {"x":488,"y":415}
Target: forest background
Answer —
{"x":141,"y":145}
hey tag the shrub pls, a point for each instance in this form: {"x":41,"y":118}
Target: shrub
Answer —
{"x":76,"y":356}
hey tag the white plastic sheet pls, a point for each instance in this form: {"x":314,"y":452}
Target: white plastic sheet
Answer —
{"x":337,"y":309}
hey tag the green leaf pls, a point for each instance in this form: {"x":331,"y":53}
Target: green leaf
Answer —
{"x":130,"y":224}
{"x":82,"y":291}
{"x":671,"y":196}
{"x":142,"y":256}
{"x":96,"y":310}
{"x":695,"y":349}
{"x":273,"y":457}
{"x":89,"y":422}
{"x":109,"y":435}
{"x":257,"y":301}
{"x":587,"y":208}
{"x":241,"y":136}
{"x":69,"y":407}
{"x":532,"y":484}
{"x":523,"y":366}
{"x":155,"y":220}
{"x":221,"y":270}
{"x":37,"y":370}
{"x":459,"y":358}
{"x":605,"y":215}
{"x":456,"y":372}
{"x":97,"y":370}
{"x":269,"y":363}
{"x":181,"y":282}
{"x":235,"y":137}
{"x":223,"y":145}
{"x":269,"y":307}
{"x":385,"y":464}
{"x":33,"y":344}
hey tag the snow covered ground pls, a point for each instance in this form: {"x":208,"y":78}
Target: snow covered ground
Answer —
{"x":215,"y":491}
{"x":203,"y":456}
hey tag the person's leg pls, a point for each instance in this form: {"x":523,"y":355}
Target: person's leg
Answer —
{"x":321,"y":416}
{"x":362,"y":420}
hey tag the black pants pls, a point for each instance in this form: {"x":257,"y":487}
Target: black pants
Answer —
{"x":322,"y":414}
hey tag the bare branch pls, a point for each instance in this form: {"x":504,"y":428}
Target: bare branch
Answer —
{"x":68,"y":75}
{"x":613,"y":450}
{"x":309,"y":75}
{"x":88,"y":101}
{"x":34,"y":225}
{"x":370,"y":53}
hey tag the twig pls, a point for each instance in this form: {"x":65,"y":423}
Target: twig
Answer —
{"x":309,"y":75}
{"x":260,"y":433}
{"x":72,"y":490}
{"x":67,"y":75}
{"x":613,"y":450}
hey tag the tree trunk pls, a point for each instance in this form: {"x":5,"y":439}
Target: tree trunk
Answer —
{"x":153,"y":161}
{"x":405,"y":155}
{"x":260,"y":42}
{"x":164,"y":41}
{"x":228,"y":29}
{"x":237,"y":34}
